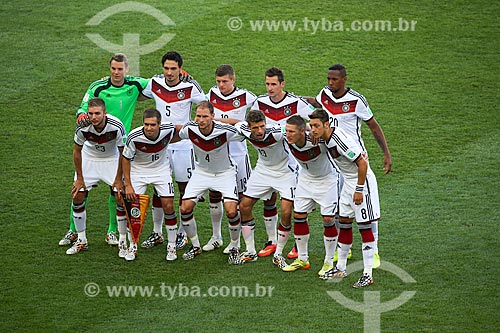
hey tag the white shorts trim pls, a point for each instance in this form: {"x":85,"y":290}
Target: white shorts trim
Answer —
{"x":200,"y":182}
{"x":263,"y":183}
{"x":163,"y":184}
{"x":323,"y":192}
{"x":95,"y":170}
{"x":369,"y":209}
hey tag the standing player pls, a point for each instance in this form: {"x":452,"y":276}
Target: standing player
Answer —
{"x":229,"y":101}
{"x":347,"y":109}
{"x":357,"y":198}
{"x":215,"y":170}
{"x":317,"y":184}
{"x":174,"y":99}
{"x":96,"y":156}
{"x":278,"y":105}
{"x":120,"y":93}
{"x":145,"y":161}
{"x":275,"y":171}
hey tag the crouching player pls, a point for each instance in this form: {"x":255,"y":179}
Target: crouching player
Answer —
{"x":356,"y":199}
{"x":96,"y":155}
{"x":145,"y":161}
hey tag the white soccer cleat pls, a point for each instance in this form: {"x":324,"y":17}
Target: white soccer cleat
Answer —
{"x":213,"y":243}
{"x":122,"y":249}
{"x":78,"y":246}
{"x":171,"y":253}
{"x":131,"y":253}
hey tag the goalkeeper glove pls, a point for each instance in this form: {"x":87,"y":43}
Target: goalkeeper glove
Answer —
{"x":184,"y":76}
{"x":83,"y":120}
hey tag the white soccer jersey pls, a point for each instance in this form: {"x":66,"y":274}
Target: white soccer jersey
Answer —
{"x":149,"y":157}
{"x":344,"y":151}
{"x":234,"y":105}
{"x":273,"y":153}
{"x":278,"y":113}
{"x":346,"y":112}
{"x":174,"y":103}
{"x":314,"y":160}
{"x":211,"y":151}
{"x":103,"y":144}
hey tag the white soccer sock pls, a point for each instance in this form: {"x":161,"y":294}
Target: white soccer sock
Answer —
{"x":216,"y":212}
{"x":81,"y":224}
{"x":368,"y":251}
{"x":330,"y":246}
{"x":235,"y":230}
{"x":247,"y":231}
{"x":180,"y":229}
{"x":302,"y":246}
{"x":121,"y":221}
{"x":343,"y":250}
{"x":171,"y":234}
{"x":157,"y":219}
{"x":375,"y":235}
{"x":271,"y":223}
{"x":192,"y":231}
{"x":282,"y":239}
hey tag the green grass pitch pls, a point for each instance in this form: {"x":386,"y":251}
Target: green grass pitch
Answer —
{"x":433,"y":89}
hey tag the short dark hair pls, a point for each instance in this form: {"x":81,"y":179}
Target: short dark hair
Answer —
{"x":224,"y":69}
{"x":321,"y":115}
{"x":172,"y":55}
{"x":96,"y":101}
{"x":298,"y":121}
{"x":119,"y":57}
{"x":152,"y":113}
{"x":338,"y":67}
{"x":255,"y":116}
{"x":206,"y":105}
{"x":275,"y":71}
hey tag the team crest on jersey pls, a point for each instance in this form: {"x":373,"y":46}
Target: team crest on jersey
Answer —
{"x":311,"y":153}
{"x":129,"y":92}
{"x":236,"y":103}
{"x":345,"y":107}
{"x":181,"y":95}
{"x":217,"y":141}
{"x":287,"y":111}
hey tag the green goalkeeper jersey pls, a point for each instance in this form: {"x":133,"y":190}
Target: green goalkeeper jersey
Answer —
{"x":120,"y":101}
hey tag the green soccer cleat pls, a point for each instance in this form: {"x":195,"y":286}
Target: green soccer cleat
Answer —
{"x":324,"y":270}
{"x":376,"y":260}
{"x":296,"y":265}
